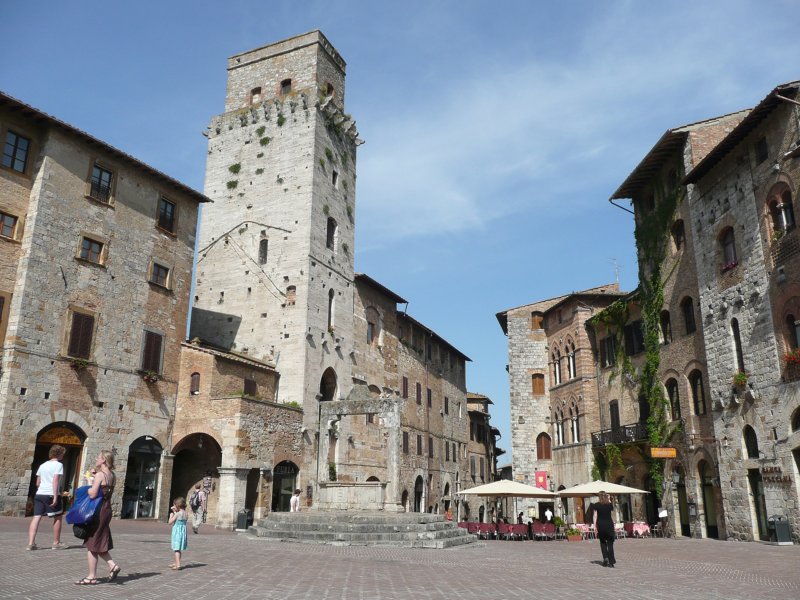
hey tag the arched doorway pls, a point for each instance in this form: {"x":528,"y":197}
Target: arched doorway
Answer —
{"x":650,"y":500}
{"x":418,"y":493}
{"x":373,"y":478}
{"x":284,"y":482}
{"x":404,"y":500}
{"x":141,"y":479}
{"x":327,"y":385}
{"x":683,"y":504}
{"x":481,"y":513}
{"x":709,"y":504}
{"x":64,"y":434}
{"x":446,"y":497}
{"x":197,"y":460}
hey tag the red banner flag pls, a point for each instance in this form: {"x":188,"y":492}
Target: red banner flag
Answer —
{"x":541,"y":479}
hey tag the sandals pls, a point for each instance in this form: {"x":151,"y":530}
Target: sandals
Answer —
{"x":112,"y":574}
{"x":86,"y":581}
{"x":175,"y":567}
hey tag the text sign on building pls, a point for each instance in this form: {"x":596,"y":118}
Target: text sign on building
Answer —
{"x":663,"y":453}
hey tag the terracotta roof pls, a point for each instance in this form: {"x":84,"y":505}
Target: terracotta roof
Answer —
{"x":474,"y":396}
{"x":672,"y":140}
{"x":434,"y":335}
{"x":750,"y":122}
{"x":228,"y":355}
{"x":381,"y":288}
{"x":611,"y":289}
{"x":13,"y":104}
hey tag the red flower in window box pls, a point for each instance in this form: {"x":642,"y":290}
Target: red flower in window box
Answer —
{"x":728,"y":266}
{"x":150,"y":376}
{"x":792,"y":357}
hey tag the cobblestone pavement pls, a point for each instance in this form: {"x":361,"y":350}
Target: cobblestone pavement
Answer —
{"x":221,"y":565}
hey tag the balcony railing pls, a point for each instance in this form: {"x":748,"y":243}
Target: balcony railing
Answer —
{"x":624,"y":434}
{"x":100,"y":191}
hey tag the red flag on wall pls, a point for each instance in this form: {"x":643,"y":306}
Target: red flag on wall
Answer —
{"x":541,"y":479}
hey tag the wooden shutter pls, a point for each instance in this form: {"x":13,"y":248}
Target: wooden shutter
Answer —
{"x":538,"y":384}
{"x":194,"y":387}
{"x":405,"y":442}
{"x":80,"y":336}
{"x":405,"y":387}
{"x":151,"y":357}
{"x":419,"y":393}
{"x":249,"y":387}
{"x":430,"y":446}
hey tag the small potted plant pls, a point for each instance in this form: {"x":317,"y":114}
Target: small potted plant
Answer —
{"x":79,"y":364}
{"x":740,"y":380}
{"x":573,"y":535}
{"x":150,"y":376}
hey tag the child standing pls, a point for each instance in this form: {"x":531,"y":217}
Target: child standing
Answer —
{"x":178,"y":520}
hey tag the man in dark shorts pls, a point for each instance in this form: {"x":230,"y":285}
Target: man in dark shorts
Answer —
{"x":47,"y":501}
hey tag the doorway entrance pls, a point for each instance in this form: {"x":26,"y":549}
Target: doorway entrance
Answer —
{"x":141,"y":479}
{"x":709,"y":503}
{"x":64,"y":434}
{"x":197,"y":458}
{"x":418,"y":490}
{"x":683,"y":507}
{"x":759,"y":502}
{"x":284,"y":482}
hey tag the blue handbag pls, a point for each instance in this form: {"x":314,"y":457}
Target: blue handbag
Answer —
{"x":84,"y":508}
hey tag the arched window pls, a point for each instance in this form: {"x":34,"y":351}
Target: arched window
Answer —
{"x":674,"y":399}
{"x":780,"y":208}
{"x":329,"y":89}
{"x":286,"y":87}
{"x":698,"y":392}
{"x":330,"y":309}
{"x":678,"y":235}
{"x":687,"y":308}
{"x":796,"y":420}
{"x":559,"y":427}
{"x":666,"y":327}
{"x":332,"y":234}
{"x":613,"y":412}
{"x":571,"y":369}
{"x":727,"y":242}
{"x":556,"y":367}
{"x":255,"y":95}
{"x":291,"y":295}
{"x":750,"y":442}
{"x":575,"y":428}
{"x":543,"y":449}
{"x":373,"y":325}
{"x":263,"y":247}
{"x":737,"y":345}
{"x":793,"y":331}
{"x":194,"y":385}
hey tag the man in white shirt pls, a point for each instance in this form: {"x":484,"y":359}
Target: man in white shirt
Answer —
{"x":294,"y":503}
{"x":548,"y":514}
{"x":47,"y":501}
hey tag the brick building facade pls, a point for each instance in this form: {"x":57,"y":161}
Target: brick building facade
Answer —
{"x":95,"y":275}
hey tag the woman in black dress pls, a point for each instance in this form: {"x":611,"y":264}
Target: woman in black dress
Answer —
{"x":99,"y":543}
{"x":604,"y":526}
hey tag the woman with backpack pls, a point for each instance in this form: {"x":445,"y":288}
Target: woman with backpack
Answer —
{"x":197,"y":503}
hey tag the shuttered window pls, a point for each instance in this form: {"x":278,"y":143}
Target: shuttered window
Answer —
{"x":250,"y":387}
{"x":405,"y":442}
{"x":419,"y":393}
{"x":194,"y":387}
{"x":430,"y":446}
{"x":405,"y":387}
{"x":537,"y":380}
{"x":80,"y":336}
{"x":151,"y":357}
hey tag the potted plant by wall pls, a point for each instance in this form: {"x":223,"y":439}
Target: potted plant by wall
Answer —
{"x":79,"y":364}
{"x":573,"y":535}
{"x":740,"y":380}
{"x":150,"y":376}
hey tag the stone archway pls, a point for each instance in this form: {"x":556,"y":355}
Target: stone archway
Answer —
{"x":328,"y":385}
{"x":64,"y":434}
{"x":284,"y":482}
{"x":419,"y":490}
{"x":141,"y":479}
{"x":198,"y":458}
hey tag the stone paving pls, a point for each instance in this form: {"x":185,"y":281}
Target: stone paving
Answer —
{"x":221,"y":565}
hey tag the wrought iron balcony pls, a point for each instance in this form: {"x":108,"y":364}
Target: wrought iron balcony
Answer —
{"x":624,"y":434}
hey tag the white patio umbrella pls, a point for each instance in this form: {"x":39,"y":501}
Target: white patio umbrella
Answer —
{"x":505,"y":488}
{"x":584,"y":490}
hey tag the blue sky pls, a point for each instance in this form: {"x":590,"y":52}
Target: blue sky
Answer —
{"x":496,"y":131}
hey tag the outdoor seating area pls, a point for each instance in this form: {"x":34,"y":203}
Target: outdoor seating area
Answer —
{"x":538,"y":531}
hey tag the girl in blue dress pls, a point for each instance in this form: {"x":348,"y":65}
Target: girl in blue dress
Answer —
{"x":177,"y":519}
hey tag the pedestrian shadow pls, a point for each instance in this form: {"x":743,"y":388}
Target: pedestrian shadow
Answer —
{"x":133,"y":577}
{"x":191,"y":566}
{"x":598,"y":562}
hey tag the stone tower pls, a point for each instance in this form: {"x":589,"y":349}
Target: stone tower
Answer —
{"x":275,"y":262}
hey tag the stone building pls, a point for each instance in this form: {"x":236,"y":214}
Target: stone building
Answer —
{"x":383,"y":397}
{"x":742,"y":202}
{"x":553,"y":383}
{"x":95,"y":275}
{"x":694,"y":506}
{"x":481,"y":455}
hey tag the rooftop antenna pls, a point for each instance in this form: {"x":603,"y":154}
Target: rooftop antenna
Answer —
{"x":613,"y":261}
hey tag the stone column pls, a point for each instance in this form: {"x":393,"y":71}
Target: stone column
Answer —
{"x":164,"y":486}
{"x":232,"y":490}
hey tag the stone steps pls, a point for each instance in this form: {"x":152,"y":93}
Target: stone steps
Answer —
{"x":412,"y":530}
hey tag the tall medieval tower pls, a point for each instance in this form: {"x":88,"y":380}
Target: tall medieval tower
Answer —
{"x":275,"y":262}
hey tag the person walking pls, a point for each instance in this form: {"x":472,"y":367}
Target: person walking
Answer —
{"x":177,"y":519}
{"x":604,"y":526}
{"x":47,"y":500}
{"x":197,"y":502}
{"x":100,"y":542}
{"x":294,"y":503}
